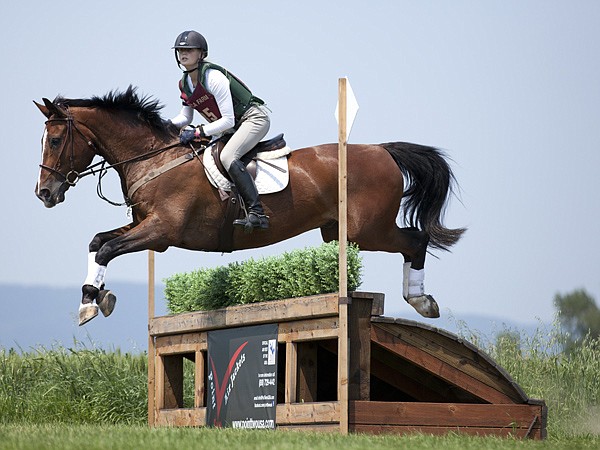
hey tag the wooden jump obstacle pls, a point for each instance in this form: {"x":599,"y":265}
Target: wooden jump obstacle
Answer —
{"x":403,"y":376}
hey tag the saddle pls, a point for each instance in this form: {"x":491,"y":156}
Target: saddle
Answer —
{"x":249,"y":159}
{"x":234,"y":202}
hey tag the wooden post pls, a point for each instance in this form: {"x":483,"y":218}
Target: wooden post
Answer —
{"x":343,"y":265}
{"x":151,"y":346}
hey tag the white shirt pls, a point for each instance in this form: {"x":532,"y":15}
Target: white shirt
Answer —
{"x":218,"y":85}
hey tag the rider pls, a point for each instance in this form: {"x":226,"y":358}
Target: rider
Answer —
{"x":229,"y":108}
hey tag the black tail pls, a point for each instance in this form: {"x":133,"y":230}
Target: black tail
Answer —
{"x":430,"y":183}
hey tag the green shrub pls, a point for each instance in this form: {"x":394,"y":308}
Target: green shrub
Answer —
{"x":294,"y":274}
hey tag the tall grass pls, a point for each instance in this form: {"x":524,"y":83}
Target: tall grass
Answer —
{"x":75,"y":385}
{"x":569,"y":383}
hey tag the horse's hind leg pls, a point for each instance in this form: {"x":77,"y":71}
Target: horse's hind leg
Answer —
{"x":412,"y":243}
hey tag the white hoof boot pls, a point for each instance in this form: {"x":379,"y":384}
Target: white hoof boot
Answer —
{"x":106,"y":302}
{"x":425,"y":305}
{"x":87,"y":311}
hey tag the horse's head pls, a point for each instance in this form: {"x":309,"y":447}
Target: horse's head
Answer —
{"x":66,"y":152}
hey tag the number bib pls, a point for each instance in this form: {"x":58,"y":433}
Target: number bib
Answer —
{"x":202,"y":101}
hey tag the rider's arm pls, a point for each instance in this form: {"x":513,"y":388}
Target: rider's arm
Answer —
{"x":185,"y":117}
{"x":218,"y":85}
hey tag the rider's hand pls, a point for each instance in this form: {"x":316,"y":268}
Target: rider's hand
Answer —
{"x":189,"y":134}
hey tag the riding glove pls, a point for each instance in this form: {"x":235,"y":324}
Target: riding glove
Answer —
{"x":190,"y":133}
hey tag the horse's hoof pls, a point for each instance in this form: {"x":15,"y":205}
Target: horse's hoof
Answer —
{"x":425,"y":305}
{"x":106,"y":302}
{"x":87,"y":311}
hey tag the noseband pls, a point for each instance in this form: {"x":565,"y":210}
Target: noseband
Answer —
{"x":72,"y":177}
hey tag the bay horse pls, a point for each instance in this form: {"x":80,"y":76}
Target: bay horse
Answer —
{"x":182,"y":209}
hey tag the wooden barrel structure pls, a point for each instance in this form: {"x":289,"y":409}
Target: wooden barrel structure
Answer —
{"x":403,"y":376}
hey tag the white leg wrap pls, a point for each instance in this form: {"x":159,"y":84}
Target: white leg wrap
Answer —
{"x":96,"y":272}
{"x":416,"y":286}
{"x":405,"y":277}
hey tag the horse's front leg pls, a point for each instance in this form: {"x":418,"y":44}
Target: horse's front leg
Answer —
{"x":93,"y":286}
{"x":148,"y":234}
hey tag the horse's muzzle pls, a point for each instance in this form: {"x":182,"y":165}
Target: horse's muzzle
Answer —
{"x":51,"y":198}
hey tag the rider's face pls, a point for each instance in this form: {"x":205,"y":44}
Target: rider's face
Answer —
{"x":189,"y":57}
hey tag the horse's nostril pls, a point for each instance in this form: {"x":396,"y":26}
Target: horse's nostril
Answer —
{"x":44,"y":194}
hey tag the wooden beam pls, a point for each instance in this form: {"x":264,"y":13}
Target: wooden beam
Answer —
{"x":182,"y":417}
{"x":499,"y":419}
{"x":307,"y":413}
{"x":264,"y":312}
{"x":359,"y":331}
{"x":151,"y":348}
{"x":291,"y":371}
{"x":199,"y":388}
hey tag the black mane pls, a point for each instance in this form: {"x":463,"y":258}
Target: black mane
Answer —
{"x":145,"y":108}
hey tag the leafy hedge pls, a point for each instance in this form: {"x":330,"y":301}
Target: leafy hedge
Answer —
{"x":294,"y":274}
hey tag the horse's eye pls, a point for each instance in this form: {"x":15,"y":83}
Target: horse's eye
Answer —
{"x":54,"y":142}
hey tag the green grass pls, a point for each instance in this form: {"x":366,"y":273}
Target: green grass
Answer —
{"x":91,"y":437}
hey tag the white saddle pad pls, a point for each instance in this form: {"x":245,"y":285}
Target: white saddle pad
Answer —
{"x":269,"y":179}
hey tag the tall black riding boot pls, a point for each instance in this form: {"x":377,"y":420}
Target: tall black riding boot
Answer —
{"x":256,"y":217}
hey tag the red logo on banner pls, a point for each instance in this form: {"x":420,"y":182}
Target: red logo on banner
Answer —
{"x":221,"y":388}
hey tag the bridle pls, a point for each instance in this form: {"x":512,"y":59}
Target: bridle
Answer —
{"x":72,"y":176}
{"x":101,"y":167}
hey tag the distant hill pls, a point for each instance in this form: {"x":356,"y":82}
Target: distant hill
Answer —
{"x":33,"y":316}
{"x":39,"y":316}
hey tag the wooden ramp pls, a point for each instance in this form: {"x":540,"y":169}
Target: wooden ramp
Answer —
{"x":404,"y":376}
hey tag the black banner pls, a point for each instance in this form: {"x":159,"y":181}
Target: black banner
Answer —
{"x":242,"y":377}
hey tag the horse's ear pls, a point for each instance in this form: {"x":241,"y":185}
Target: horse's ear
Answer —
{"x":50,"y":109}
{"x":43,"y":109}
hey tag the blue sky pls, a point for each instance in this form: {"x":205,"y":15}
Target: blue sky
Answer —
{"x":509,"y":89}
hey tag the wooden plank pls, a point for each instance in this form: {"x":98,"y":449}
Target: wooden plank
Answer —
{"x":291,"y":371}
{"x":181,"y":343}
{"x":159,"y":386}
{"x":199,"y":388}
{"x":307,"y":413}
{"x":457,"y":355}
{"x":182,"y":417}
{"x":151,"y":343}
{"x":437,"y":367}
{"x":359,"y":330}
{"x":378,"y":300}
{"x":333,"y":427}
{"x":306,"y":330}
{"x":446,"y":414}
{"x":440,"y":431}
{"x":257,"y":313}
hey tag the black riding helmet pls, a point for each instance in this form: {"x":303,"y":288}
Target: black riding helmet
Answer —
{"x":190,"y":39}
